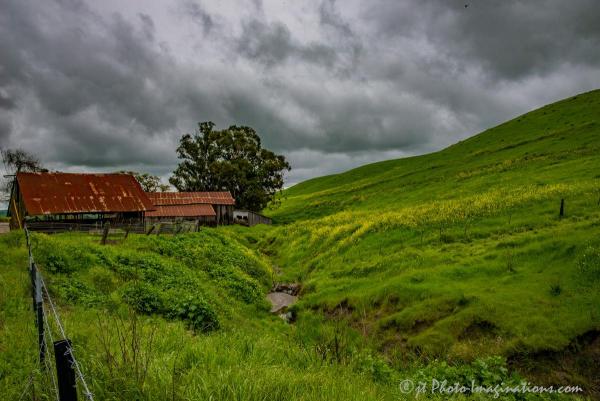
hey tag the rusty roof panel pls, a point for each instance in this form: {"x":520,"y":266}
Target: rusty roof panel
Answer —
{"x":196,"y":210}
{"x":189,"y":198}
{"x":60,"y":193}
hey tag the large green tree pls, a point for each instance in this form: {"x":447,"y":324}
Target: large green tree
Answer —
{"x":232,"y":160}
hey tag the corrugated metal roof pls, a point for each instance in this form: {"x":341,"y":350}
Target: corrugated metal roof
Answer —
{"x":57,"y":193}
{"x":196,"y":210}
{"x":189,"y":198}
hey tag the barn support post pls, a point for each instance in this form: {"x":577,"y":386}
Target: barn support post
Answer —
{"x":67,"y":387}
{"x":105,"y":233}
{"x":151,"y":229}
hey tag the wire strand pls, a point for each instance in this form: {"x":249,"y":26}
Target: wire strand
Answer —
{"x":86,"y":391}
{"x":27,"y":385}
{"x":48,"y":367}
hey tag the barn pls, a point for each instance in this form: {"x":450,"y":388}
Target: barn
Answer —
{"x":208,"y":208}
{"x":51,"y":199}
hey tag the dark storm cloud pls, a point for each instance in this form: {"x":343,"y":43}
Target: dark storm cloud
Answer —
{"x":198,"y":15}
{"x":329,"y":84}
{"x":273,"y":44}
{"x":508,"y":40}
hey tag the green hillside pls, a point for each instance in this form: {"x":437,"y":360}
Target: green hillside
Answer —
{"x":555,"y":144}
{"x":462,"y":253}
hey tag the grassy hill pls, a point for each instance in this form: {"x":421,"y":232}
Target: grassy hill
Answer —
{"x":555,"y":144}
{"x":462,"y":253}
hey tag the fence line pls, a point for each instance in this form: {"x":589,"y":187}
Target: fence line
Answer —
{"x":65,"y":382}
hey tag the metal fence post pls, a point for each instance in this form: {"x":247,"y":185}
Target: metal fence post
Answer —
{"x":67,"y":387}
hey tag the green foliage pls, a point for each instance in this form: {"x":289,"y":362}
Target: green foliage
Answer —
{"x":143,"y":297}
{"x":197,"y":312}
{"x":75,"y":291}
{"x":233,"y":159}
{"x":486,"y":372}
{"x":196,"y":278}
{"x":374,"y":367}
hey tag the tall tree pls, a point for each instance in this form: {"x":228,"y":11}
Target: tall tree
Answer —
{"x":15,"y":161}
{"x":148,"y":182}
{"x":231,"y":159}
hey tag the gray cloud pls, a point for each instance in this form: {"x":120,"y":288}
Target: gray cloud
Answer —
{"x":273,"y":44}
{"x":95,"y":86}
{"x":507,"y":40}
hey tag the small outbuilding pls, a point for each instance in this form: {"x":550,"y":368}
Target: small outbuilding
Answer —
{"x":41,"y":199}
{"x":207,"y":208}
{"x":249,"y":218}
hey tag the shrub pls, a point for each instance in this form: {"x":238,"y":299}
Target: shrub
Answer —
{"x":486,"y":372}
{"x":374,"y":367}
{"x":143,"y":298}
{"x":197,"y":312}
{"x":75,"y":291}
{"x":102,"y":279}
{"x":57,"y":263}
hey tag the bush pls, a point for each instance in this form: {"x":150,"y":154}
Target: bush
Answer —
{"x":102,"y":279}
{"x":143,"y":298}
{"x":75,"y":291}
{"x":197,"y":312}
{"x":485,"y":372}
{"x":374,"y":367}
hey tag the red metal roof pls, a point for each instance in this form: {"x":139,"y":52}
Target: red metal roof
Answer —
{"x":57,"y":193}
{"x":189,"y":198}
{"x":200,"y":209}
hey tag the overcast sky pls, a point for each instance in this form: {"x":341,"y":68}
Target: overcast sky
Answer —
{"x":109,"y":85}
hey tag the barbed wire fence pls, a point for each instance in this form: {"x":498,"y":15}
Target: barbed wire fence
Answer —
{"x":66,"y":376}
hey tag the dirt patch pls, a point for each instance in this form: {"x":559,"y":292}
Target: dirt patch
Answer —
{"x":342,"y":309}
{"x":478,"y":329}
{"x":577,"y":365}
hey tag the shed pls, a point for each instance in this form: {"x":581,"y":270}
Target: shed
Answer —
{"x":206,"y":207}
{"x":249,"y":218}
{"x":76,"y":198}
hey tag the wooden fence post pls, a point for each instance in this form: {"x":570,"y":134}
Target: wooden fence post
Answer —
{"x":562,"y":208}
{"x":67,"y":389}
{"x":105,"y":233}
